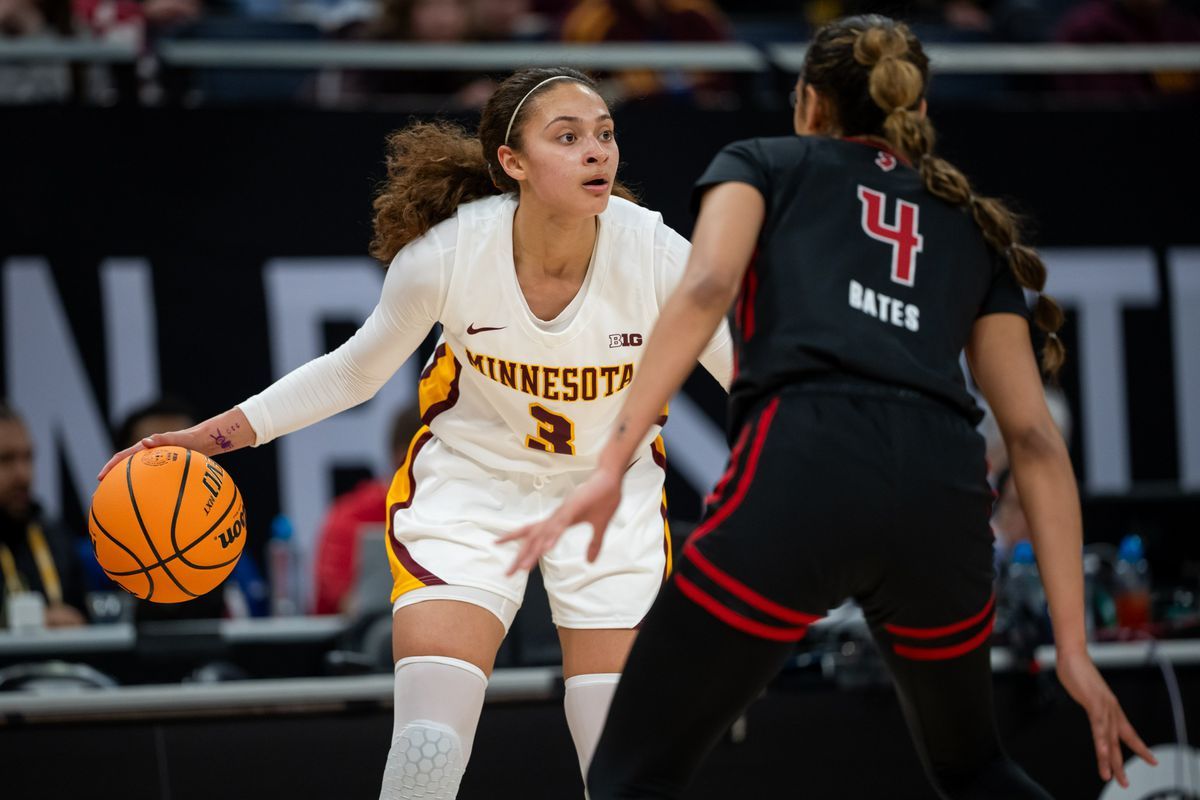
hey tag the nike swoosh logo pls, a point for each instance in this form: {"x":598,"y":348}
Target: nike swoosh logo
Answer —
{"x":472,"y":330}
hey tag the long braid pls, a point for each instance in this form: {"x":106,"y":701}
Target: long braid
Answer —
{"x":895,"y":78}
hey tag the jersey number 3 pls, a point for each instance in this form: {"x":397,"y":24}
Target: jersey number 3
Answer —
{"x":555,"y":433}
{"x":906,"y":242}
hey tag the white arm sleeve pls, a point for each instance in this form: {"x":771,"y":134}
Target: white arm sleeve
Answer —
{"x":414,"y":292}
{"x":670,"y":259}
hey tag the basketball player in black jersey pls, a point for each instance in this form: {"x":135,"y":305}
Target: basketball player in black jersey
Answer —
{"x":856,"y":470}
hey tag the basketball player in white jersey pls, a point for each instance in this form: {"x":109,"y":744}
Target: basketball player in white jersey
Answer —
{"x":545,"y":286}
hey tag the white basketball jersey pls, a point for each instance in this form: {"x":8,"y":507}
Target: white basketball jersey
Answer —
{"x":518,"y":393}
{"x":509,"y":390}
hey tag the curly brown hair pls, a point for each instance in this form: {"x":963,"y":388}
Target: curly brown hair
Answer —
{"x":874,"y":72}
{"x":434,"y":167}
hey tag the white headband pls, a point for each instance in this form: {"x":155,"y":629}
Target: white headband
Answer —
{"x":517,"y":110}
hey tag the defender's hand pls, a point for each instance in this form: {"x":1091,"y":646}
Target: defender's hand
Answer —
{"x":1084,"y":683}
{"x":594,"y":501}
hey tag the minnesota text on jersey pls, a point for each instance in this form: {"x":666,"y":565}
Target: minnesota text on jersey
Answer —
{"x":565,"y":384}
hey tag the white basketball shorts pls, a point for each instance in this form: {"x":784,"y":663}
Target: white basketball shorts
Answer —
{"x":446,"y":512}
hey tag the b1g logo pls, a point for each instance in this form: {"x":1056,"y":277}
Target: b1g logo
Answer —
{"x":902,"y":235}
{"x":624,"y":340}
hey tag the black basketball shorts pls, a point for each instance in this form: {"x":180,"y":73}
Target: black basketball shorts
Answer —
{"x":845,"y":491}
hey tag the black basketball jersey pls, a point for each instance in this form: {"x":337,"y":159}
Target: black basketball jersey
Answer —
{"x":859,"y":272}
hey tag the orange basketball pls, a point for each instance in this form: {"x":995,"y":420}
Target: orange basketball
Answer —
{"x":167,"y":524}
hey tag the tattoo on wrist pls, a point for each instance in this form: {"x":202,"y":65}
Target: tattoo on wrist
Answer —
{"x":221,"y":440}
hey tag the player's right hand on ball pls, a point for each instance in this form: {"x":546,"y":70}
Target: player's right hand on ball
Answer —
{"x":181,"y":438}
{"x":220,"y":434}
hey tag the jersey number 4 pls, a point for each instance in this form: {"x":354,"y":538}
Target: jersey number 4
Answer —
{"x":906,"y":242}
{"x":555,"y":433}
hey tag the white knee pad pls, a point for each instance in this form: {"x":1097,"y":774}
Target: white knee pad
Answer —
{"x":438,"y":701}
{"x":426,"y":760}
{"x":586,"y":703}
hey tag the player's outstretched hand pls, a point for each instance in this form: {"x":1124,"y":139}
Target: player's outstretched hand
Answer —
{"x":186,"y":438}
{"x":1084,"y":683}
{"x":594,"y":501}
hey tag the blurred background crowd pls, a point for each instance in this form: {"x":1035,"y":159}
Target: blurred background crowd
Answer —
{"x":146,"y":24}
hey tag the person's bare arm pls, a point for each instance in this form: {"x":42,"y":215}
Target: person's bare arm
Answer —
{"x":731,"y":216}
{"x":1001,"y":358}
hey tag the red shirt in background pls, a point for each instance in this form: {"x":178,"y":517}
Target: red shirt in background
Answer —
{"x":351,"y":515}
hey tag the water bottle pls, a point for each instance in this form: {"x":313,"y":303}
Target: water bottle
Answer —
{"x":281,"y":567}
{"x":1025,"y":582}
{"x":247,"y":593}
{"x":1025,"y":599}
{"x":1133,"y":584}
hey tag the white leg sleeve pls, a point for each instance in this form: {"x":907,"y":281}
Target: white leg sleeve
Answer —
{"x":438,"y":701}
{"x":586,"y":702}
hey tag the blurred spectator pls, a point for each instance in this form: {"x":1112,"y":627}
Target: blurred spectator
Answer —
{"x":351,"y":515}
{"x":119,"y":23}
{"x":167,"y":414}
{"x":553,"y":10}
{"x":426,"y":21}
{"x":114,"y":20}
{"x":966,"y":15}
{"x":423,"y":21}
{"x":507,"y":21}
{"x":953,"y":21}
{"x":1008,"y":517}
{"x":246,"y":21}
{"x":36,"y":555}
{"x":170,"y":13}
{"x":1009,"y":523}
{"x":33,"y":82}
{"x":654,"y":21}
{"x":1130,"y":22}
{"x":24,"y":18}
{"x":945,"y":20}
{"x":997,"y":455}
